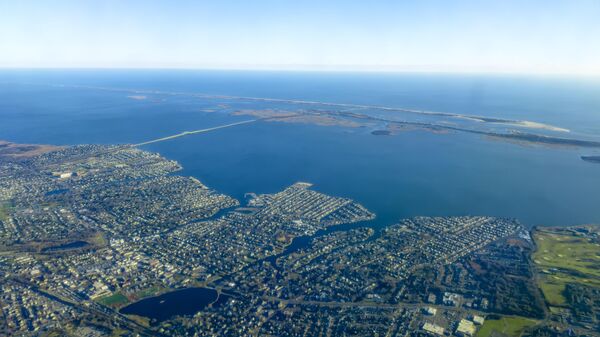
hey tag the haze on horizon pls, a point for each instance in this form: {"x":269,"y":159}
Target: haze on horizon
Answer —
{"x":432,"y":35}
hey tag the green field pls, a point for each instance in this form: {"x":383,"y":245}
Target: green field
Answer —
{"x":511,"y":326}
{"x":152,"y":291}
{"x":114,"y":300}
{"x":4,"y":210}
{"x":98,"y":239}
{"x":564,"y":258}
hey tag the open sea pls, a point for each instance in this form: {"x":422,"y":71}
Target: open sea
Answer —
{"x":410,"y":174}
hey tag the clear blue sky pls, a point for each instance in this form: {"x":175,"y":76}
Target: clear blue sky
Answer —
{"x":421,"y":35}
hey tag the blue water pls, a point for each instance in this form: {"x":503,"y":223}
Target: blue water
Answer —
{"x":175,"y":303}
{"x":66,"y":246}
{"x":413,"y":173}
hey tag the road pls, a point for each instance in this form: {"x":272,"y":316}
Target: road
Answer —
{"x":187,"y":133}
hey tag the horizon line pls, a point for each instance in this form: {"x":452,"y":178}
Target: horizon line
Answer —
{"x":324,"y":69}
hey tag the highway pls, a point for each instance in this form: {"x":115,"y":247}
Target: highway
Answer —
{"x":187,"y":133}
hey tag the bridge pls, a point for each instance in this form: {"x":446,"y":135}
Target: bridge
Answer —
{"x":187,"y":133}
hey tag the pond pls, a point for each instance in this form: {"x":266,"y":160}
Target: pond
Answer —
{"x":175,"y":303}
{"x":66,"y":246}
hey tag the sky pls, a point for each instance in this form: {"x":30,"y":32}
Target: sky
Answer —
{"x":548,"y":36}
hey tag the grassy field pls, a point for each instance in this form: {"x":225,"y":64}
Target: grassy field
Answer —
{"x":563,"y":258}
{"x":4,"y":210}
{"x":149,"y":292}
{"x":119,"y":300}
{"x":114,"y":300}
{"x":511,"y":326}
{"x":98,"y":239}
{"x":118,"y":333}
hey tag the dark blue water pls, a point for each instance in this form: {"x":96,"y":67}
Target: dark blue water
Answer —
{"x":176,"y":303}
{"x":66,"y":246}
{"x":303,"y":242}
{"x":413,"y":173}
{"x":57,"y":192}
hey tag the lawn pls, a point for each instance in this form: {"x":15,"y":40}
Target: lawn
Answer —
{"x":4,"y":210}
{"x":152,"y":291}
{"x":98,"y":239}
{"x":563,"y":258}
{"x":511,"y":326}
{"x":553,"y":291}
{"x":114,"y":300}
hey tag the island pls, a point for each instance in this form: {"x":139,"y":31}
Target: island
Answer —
{"x":591,"y":159}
